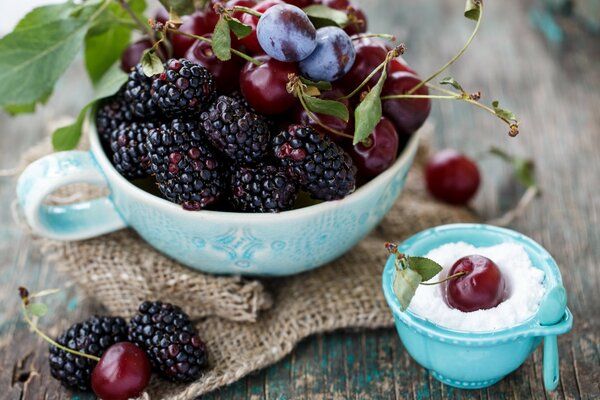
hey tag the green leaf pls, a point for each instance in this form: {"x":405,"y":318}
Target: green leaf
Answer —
{"x":34,"y":58}
{"x":221,"y":44}
{"x":322,"y":16}
{"x":406,"y":283}
{"x":110,"y":83}
{"x":239,"y":29}
{"x":43,"y":293}
{"x":368,"y":113}
{"x":45,"y":14}
{"x":321,"y":85}
{"x":502,"y":113}
{"x":151,"y":63}
{"x":425,"y":267}
{"x":524,"y":169}
{"x":327,"y":107}
{"x":473,"y":9}
{"x":452,"y":82}
{"x":38,"y":309}
{"x":181,"y":7}
{"x":101,"y":51}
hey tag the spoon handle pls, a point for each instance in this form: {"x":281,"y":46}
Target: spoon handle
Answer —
{"x":551,"y":370}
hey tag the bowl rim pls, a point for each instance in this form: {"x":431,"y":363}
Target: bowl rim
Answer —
{"x":96,"y":149}
{"x":528,"y":328}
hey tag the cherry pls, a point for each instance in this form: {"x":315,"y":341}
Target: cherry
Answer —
{"x":264,"y":86}
{"x":408,"y":115}
{"x":251,"y":41}
{"x":398,"y":64}
{"x":300,"y":116}
{"x":226,"y":73}
{"x":196,"y":24}
{"x":452,"y":177}
{"x":370,"y":52}
{"x":378,"y":151}
{"x":481,"y":288}
{"x":235,"y":42}
{"x":133,"y":54}
{"x":123,"y":372}
{"x":302,"y":3}
{"x":162,"y":15}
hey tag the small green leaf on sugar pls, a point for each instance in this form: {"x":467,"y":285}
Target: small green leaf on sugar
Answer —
{"x":425,"y":267}
{"x":38,"y":309}
{"x":406,"y":283}
{"x":452,"y":82}
{"x":151,"y":63}
{"x":221,"y":44}
{"x":368,"y":113}
{"x":239,"y":29}
{"x":473,"y":9}
{"x":321,"y":16}
{"x":327,"y":107}
{"x":502,"y":113}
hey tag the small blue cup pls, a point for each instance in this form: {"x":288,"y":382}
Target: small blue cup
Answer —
{"x":477,"y":360}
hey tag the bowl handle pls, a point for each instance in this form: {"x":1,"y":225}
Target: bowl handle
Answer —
{"x":550,"y":363}
{"x":66,"y":222}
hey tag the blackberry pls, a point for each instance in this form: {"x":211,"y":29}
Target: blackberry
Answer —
{"x":263,"y":188}
{"x":234,"y":130}
{"x":322,"y":167}
{"x":186,"y":169}
{"x":137,"y":94}
{"x":172,"y":343}
{"x":92,"y":336}
{"x":128,"y":145}
{"x":183,"y":87}
{"x":112,"y":114}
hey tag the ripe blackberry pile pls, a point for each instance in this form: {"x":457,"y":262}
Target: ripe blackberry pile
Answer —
{"x":205,"y":150}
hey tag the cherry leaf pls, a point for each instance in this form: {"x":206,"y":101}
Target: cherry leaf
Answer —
{"x":221,"y":44}
{"x":321,"y":85}
{"x":321,"y":16}
{"x":524,"y":169}
{"x":368,"y":113}
{"x":452,"y":82}
{"x":38,"y":309}
{"x":240,"y":30}
{"x":151,"y":63}
{"x":502,"y":113}
{"x":473,"y":9}
{"x":327,"y":107}
{"x":406,"y":283}
{"x":425,"y":267}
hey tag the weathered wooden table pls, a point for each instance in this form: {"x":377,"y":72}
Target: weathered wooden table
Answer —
{"x":556,"y":91}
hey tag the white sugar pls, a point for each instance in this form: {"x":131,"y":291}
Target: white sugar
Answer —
{"x":525,"y":283}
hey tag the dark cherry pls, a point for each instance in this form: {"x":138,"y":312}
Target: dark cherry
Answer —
{"x":251,"y":41}
{"x":300,"y":116}
{"x":370,"y":52}
{"x":123,"y":372}
{"x":264,"y":86}
{"x":302,"y":3}
{"x":452,"y":177}
{"x":360,"y":23}
{"x":482,"y":287}
{"x":210,"y":15}
{"x":378,"y":151}
{"x":399,"y":64}
{"x":226,"y":73}
{"x":133,"y":54}
{"x":196,"y":24}
{"x":408,"y":115}
{"x":235,"y":42}
{"x":162,"y":15}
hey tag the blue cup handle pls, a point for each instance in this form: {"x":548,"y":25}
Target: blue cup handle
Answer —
{"x":66,"y":222}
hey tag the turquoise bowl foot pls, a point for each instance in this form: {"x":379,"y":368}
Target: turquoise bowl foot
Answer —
{"x":464,"y":384}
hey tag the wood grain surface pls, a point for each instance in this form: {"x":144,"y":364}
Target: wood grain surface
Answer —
{"x":554,"y":89}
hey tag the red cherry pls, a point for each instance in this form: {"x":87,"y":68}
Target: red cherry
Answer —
{"x":264,"y":86}
{"x":162,"y":15}
{"x":300,"y":116}
{"x":195,"y":24}
{"x":251,"y":41}
{"x":123,"y":372}
{"x":483,"y":286}
{"x":370,"y":52}
{"x":133,"y":54}
{"x":398,"y":64}
{"x":378,"y":152}
{"x":226,"y":73}
{"x":235,"y":42}
{"x":336,"y":4}
{"x":452,"y":177}
{"x":408,"y":115}
{"x":210,"y":15}
{"x":302,"y":3}
{"x":361,"y":24}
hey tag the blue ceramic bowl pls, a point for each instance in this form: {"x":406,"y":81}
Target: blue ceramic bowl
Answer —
{"x":216,"y":242}
{"x":474,"y":360}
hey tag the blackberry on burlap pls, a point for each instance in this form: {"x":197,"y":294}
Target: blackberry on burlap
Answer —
{"x":187,"y":170}
{"x":167,"y":335}
{"x":91,"y":336}
{"x":235,"y":130}
{"x":322,"y":167}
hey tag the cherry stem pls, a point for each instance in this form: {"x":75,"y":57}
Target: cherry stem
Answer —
{"x":453,"y":276}
{"x":143,"y":27}
{"x":456,"y":57}
{"x":24,"y":301}
{"x":247,"y":11}
{"x":207,"y":40}
{"x":391,"y":38}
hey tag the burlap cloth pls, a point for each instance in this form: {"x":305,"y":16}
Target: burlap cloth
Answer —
{"x":247,"y":324}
